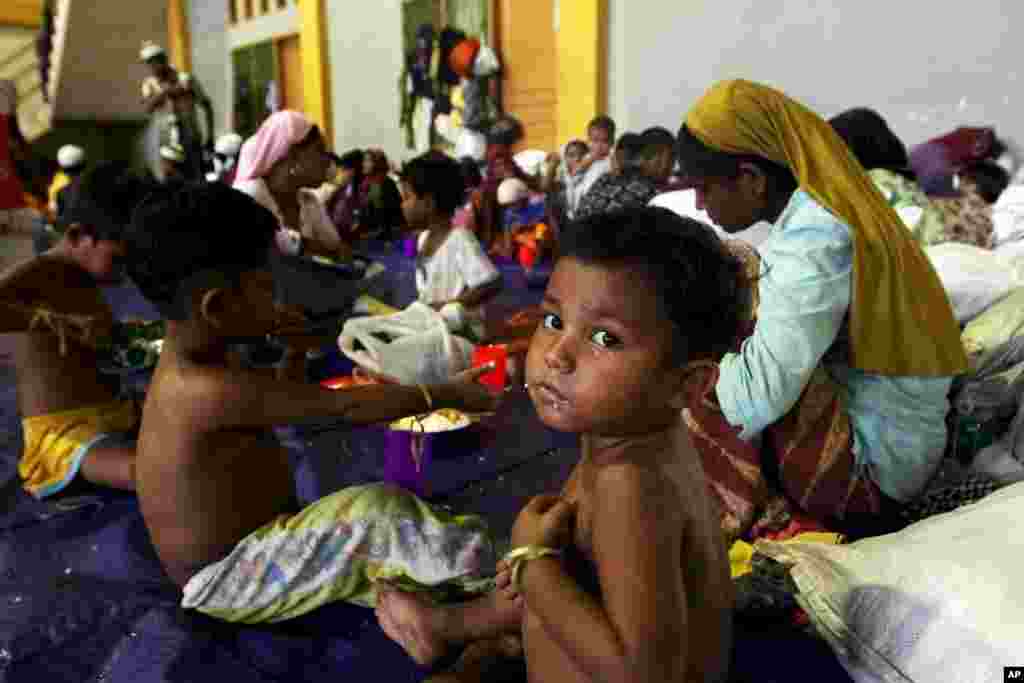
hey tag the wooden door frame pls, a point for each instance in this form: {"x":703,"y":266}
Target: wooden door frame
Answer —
{"x":583,"y":90}
{"x":278,"y":63}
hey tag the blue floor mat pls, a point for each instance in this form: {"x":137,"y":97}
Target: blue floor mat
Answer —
{"x":83,"y":597}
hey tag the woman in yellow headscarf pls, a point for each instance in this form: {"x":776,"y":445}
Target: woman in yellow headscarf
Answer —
{"x":854,"y":348}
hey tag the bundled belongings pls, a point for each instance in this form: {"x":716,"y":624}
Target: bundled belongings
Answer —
{"x":938,"y":601}
{"x":974,"y":278}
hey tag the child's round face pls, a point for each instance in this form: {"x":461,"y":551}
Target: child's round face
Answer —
{"x":416,"y":209}
{"x":598,"y":363}
{"x":599,"y":141}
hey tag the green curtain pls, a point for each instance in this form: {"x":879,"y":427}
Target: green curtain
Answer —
{"x":414,"y":14}
{"x":255,"y":68}
{"x":470,"y":16}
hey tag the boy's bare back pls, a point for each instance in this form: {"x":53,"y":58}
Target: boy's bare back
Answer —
{"x":670,"y":474}
{"x":49,"y":381}
{"x":203,"y":487}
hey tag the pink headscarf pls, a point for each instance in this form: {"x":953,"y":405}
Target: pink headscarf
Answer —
{"x":271,"y":143}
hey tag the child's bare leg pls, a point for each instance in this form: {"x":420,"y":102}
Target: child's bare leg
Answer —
{"x":112,"y":466}
{"x":425,"y":630}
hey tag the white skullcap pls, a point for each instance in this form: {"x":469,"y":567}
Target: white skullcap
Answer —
{"x":70,"y":156}
{"x":228,"y":144}
{"x":511,"y":191}
{"x":173,"y":152}
{"x":150,"y":50}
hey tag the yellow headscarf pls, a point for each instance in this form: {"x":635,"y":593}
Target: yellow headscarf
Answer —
{"x":901,"y":321}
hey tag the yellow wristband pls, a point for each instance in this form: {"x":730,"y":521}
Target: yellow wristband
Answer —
{"x":427,"y":396}
{"x":518,"y":557}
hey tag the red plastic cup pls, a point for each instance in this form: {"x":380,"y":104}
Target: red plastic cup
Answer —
{"x":498,"y":354}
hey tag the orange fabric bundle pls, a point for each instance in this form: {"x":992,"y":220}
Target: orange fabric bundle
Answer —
{"x":463,"y":56}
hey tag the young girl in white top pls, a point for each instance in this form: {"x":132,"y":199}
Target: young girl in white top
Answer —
{"x":451,"y":266}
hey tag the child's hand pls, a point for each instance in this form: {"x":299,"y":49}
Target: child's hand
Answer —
{"x":545,"y":521}
{"x":465,"y":393}
{"x":505,"y":587}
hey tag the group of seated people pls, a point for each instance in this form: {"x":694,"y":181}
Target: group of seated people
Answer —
{"x":706,"y":380}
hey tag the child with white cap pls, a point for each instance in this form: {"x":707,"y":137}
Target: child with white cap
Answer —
{"x":225,"y":158}
{"x":72,"y":161}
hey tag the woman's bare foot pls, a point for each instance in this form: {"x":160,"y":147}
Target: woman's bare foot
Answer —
{"x":412,"y":622}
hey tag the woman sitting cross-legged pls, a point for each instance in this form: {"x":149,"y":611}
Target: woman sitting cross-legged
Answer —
{"x":838,"y":396}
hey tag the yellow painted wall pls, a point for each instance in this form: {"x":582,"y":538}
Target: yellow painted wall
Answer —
{"x":316,"y":87}
{"x":178,"y":42}
{"x":28,"y":13}
{"x":582,"y":84}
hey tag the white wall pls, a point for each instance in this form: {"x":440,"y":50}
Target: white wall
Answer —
{"x":926,"y":66}
{"x":364,"y":47}
{"x":211,"y":61}
{"x":263,"y":28}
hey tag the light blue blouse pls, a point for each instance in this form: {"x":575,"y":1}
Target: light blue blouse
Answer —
{"x":899,"y":423}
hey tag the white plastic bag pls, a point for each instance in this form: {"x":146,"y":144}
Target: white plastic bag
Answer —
{"x":413,"y":346}
{"x":974,"y":278}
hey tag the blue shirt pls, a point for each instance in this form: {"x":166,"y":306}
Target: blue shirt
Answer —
{"x":898,"y":423}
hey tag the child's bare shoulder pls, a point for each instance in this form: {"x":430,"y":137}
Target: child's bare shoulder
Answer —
{"x":632,"y":480}
{"x":201,"y":394}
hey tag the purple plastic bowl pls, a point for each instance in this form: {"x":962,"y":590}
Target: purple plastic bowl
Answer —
{"x":400,"y":445}
{"x":409,"y":247}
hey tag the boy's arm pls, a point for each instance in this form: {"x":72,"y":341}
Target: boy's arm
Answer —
{"x":226,"y":399}
{"x":639,"y":632}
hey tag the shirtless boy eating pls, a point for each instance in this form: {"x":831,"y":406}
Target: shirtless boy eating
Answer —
{"x":72,"y":419}
{"x":209,"y":470}
{"x":623,"y":576}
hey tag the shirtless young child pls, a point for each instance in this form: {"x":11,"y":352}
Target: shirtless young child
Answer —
{"x":627,"y":577}
{"x":72,"y":417}
{"x":209,"y":469}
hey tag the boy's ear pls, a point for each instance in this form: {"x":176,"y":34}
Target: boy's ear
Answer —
{"x":76,"y":232}
{"x":213,"y":306}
